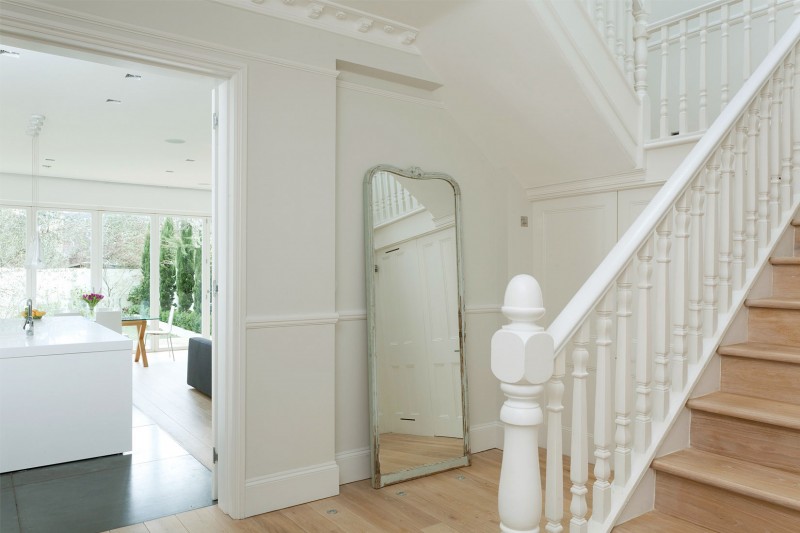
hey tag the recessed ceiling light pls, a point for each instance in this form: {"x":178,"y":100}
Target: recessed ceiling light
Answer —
{"x":170,"y":171}
{"x":9,"y":53}
{"x":46,"y":159}
{"x":189,"y":160}
{"x":47,"y":166}
{"x":135,"y":77}
{"x":175,"y":141}
{"x":112,"y":101}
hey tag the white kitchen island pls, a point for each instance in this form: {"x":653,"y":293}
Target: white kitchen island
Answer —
{"x":65,"y":392}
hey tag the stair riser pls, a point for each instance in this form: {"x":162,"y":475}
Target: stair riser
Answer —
{"x":763,"y":444}
{"x":786,"y":280}
{"x":721,"y":510}
{"x":772,"y":380}
{"x":777,"y":326}
{"x":796,"y":241}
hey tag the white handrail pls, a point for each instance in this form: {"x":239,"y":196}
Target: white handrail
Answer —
{"x":588,"y":296}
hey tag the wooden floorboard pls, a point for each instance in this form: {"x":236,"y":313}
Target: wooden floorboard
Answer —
{"x":160,"y":392}
{"x":463,"y":500}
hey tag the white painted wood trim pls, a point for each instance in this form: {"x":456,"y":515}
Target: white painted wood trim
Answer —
{"x":353,"y":315}
{"x":342,"y":84}
{"x":291,"y":487}
{"x":205,"y":57}
{"x":105,"y":38}
{"x":336,"y":18}
{"x":614,"y":182}
{"x":288,"y":321}
{"x":354,"y":465}
{"x":482,"y":309}
{"x":486,"y":436}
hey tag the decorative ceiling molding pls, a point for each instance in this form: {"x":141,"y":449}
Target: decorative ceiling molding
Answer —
{"x":336,"y":18}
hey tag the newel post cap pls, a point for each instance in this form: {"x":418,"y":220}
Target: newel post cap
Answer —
{"x":522,"y":350}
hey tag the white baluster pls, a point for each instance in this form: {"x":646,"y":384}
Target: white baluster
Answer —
{"x":661,"y":334}
{"x":600,"y":16}
{"x":679,"y":291}
{"x":682,"y":97}
{"x":629,"y":42}
{"x":611,"y":26}
{"x":522,"y":359}
{"x":579,"y":460}
{"x":786,"y":134}
{"x":710,"y":247}
{"x":747,"y":26}
{"x":620,"y":33}
{"x":723,"y":76}
{"x":695,"y":331}
{"x":751,"y":188}
{"x":664,"y":110}
{"x":763,"y":158}
{"x":603,"y":405}
{"x":775,"y":149}
{"x":796,"y":124}
{"x":725,"y":291}
{"x":737,"y":186}
{"x":640,"y":74}
{"x":554,"y":481}
{"x":703,"y":92}
{"x":771,"y":25}
{"x":644,"y":349}
{"x":623,"y":387}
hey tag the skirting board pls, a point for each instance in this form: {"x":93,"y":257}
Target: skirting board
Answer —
{"x":292,"y":487}
{"x":353,"y":465}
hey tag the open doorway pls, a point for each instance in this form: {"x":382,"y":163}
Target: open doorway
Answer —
{"x":82,"y":196}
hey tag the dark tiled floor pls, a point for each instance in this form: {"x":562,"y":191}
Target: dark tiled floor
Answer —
{"x":158,"y":478}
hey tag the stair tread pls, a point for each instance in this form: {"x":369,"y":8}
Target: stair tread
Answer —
{"x":784,"y":260}
{"x":656,"y":522}
{"x":748,"y":479}
{"x":774,"y":302}
{"x":749,"y":408}
{"x":763,"y":350}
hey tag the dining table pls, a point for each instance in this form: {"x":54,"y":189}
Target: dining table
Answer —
{"x":140,"y":321}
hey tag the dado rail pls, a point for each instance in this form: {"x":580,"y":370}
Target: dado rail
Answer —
{"x":650,"y":316}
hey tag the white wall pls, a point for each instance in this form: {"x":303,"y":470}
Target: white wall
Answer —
{"x":104,"y":196}
{"x":308,"y":144}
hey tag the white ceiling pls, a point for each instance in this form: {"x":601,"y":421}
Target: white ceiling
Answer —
{"x":91,"y":139}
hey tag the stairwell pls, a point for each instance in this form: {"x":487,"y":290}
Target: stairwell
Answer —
{"x":742,"y":470}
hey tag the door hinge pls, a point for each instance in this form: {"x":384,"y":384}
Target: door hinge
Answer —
{"x":376,"y":268}
{"x":215,"y":456}
{"x":215,"y":120}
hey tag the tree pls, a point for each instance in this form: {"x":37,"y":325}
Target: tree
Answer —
{"x":185,"y":268}
{"x":198,"y":278}
{"x":166,"y":265}
{"x":141,"y":293}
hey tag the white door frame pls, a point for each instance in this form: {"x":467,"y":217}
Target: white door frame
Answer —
{"x":47,"y":29}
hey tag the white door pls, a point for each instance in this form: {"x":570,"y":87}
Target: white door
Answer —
{"x":403,"y":366}
{"x":440,"y":282}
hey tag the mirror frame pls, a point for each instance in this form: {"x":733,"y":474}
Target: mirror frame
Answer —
{"x":379,"y":479}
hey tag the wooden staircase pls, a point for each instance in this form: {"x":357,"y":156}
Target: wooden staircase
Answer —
{"x":742,"y":472}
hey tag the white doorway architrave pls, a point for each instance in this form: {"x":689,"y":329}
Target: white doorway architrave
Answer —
{"x":49,"y":29}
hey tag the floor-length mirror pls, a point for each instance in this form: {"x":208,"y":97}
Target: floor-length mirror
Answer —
{"x":415,"y":316}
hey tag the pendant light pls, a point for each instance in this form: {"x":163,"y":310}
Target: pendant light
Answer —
{"x":34,"y":251}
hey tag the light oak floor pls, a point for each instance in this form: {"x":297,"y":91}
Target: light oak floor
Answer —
{"x":160,"y":391}
{"x":462,"y":501}
{"x":401,"y":452}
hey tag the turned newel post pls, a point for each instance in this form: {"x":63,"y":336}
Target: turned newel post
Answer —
{"x":522,"y":359}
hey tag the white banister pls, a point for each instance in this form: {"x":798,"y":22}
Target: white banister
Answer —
{"x":694,"y":252}
{"x":703,"y":74}
{"x":522,"y":359}
{"x":683,"y":97}
{"x":723,"y":75}
{"x":664,"y":110}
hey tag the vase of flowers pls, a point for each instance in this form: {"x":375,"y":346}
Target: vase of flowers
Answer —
{"x":92,"y":299}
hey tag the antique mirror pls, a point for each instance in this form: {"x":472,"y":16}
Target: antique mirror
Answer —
{"x":415,"y":324}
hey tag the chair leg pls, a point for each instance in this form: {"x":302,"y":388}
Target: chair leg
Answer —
{"x":171,"y":349}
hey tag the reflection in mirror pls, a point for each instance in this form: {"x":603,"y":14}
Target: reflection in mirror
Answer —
{"x":414,"y":287}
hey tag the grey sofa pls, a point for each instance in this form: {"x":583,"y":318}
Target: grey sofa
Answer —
{"x":198,"y":369}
